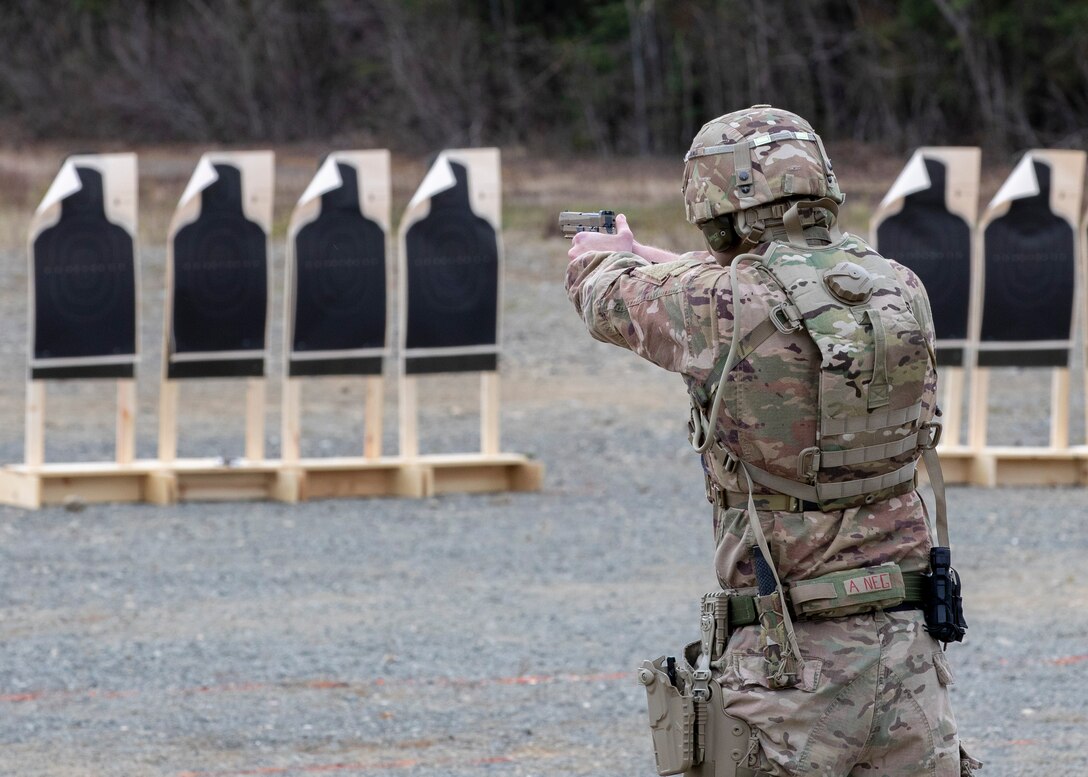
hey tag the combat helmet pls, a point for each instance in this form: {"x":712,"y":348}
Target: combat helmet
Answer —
{"x":746,"y":167}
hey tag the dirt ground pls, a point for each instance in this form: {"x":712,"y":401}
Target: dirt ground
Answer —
{"x":463,"y":635}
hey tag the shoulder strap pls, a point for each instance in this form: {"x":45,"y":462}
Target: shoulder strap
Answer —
{"x":704,"y":423}
{"x":936,"y":480}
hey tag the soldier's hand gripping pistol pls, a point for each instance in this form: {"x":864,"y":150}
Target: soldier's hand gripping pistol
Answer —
{"x":572,"y":222}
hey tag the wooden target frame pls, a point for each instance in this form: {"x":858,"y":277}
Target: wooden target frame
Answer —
{"x":36,"y":482}
{"x":117,"y":174}
{"x":474,"y":176}
{"x":167,"y":479}
{"x":373,"y":200}
{"x":256,"y":170}
{"x":956,"y":170}
{"x":1056,"y":463}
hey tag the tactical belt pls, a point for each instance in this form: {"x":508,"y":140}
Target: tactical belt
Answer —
{"x":742,"y":609}
{"x":790,"y":504}
{"x":777,"y":502}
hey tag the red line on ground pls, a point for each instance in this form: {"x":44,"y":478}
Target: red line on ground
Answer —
{"x":1068,"y":660}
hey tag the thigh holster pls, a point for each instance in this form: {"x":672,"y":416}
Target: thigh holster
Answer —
{"x":692,"y":733}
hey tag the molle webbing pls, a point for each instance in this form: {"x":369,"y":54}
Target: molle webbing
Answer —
{"x":866,"y":455}
{"x":828,"y":492}
{"x":869,"y":380}
{"x":872,"y":422}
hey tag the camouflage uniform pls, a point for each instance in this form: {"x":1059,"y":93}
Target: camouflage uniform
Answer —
{"x":872,"y":697}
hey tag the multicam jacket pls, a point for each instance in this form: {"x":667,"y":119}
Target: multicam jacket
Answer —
{"x":679,"y":315}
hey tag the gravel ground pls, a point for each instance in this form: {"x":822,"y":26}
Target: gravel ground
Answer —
{"x":462,"y":635}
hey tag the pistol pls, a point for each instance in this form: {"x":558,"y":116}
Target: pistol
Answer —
{"x":571,"y":222}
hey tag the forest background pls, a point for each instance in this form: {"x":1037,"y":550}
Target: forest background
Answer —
{"x":610,"y":77}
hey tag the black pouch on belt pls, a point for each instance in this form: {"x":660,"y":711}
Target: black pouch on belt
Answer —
{"x":943,"y":602}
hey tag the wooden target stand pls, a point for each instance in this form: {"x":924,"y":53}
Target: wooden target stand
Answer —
{"x":214,"y":479}
{"x":1057,"y":463}
{"x":35,"y":482}
{"x":475,"y":175}
{"x":946,"y":180}
{"x":168,"y":479}
{"x":370,"y":474}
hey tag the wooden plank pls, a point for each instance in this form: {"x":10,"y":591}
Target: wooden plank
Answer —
{"x":354,"y":476}
{"x":952,"y":406}
{"x":34,"y":442}
{"x":484,"y":478}
{"x":89,"y":468}
{"x":255,"y":396}
{"x":126,"y":421}
{"x":340,"y":484}
{"x":979,"y":411}
{"x":20,"y":489}
{"x":372,"y":420}
{"x":116,"y":487}
{"x":161,"y":488}
{"x":168,"y":420}
{"x":983,"y":469}
{"x":291,"y":421}
{"x":1036,"y":467}
{"x":477,"y":473}
{"x":225,"y":486}
{"x":289,"y":485}
{"x":1059,"y":408}
{"x":490,"y":400}
{"x":408,"y":410}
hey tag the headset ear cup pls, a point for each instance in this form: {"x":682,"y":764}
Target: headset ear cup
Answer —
{"x":719,"y":234}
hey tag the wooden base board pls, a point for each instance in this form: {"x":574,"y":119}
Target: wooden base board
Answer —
{"x":213,"y":480}
{"x":200,"y":480}
{"x":337,"y":478}
{"x":1034,"y":467}
{"x":483,"y":473}
{"x":1015,"y":466}
{"x":58,"y":484}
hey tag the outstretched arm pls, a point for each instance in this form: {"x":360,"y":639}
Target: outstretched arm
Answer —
{"x":623,"y":239}
{"x":665,"y":311}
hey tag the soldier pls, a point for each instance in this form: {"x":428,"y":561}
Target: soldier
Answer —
{"x":809,"y":361}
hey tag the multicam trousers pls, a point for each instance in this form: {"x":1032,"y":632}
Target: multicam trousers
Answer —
{"x":872,"y":700}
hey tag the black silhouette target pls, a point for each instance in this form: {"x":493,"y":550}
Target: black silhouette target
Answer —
{"x":935,"y":244}
{"x":220,"y":285}
{"x":452,"y":260}
{"x":339,"y":285}
{"x":1030,"y":274}
{"x":84,"y":290}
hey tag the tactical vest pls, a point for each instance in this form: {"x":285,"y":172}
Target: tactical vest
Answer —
{"x":852,"y":433}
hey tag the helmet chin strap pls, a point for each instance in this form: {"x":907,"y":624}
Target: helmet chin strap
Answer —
{"x":795,"y":229}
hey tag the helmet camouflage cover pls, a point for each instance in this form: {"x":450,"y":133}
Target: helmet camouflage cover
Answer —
{"x":753,"y":157}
